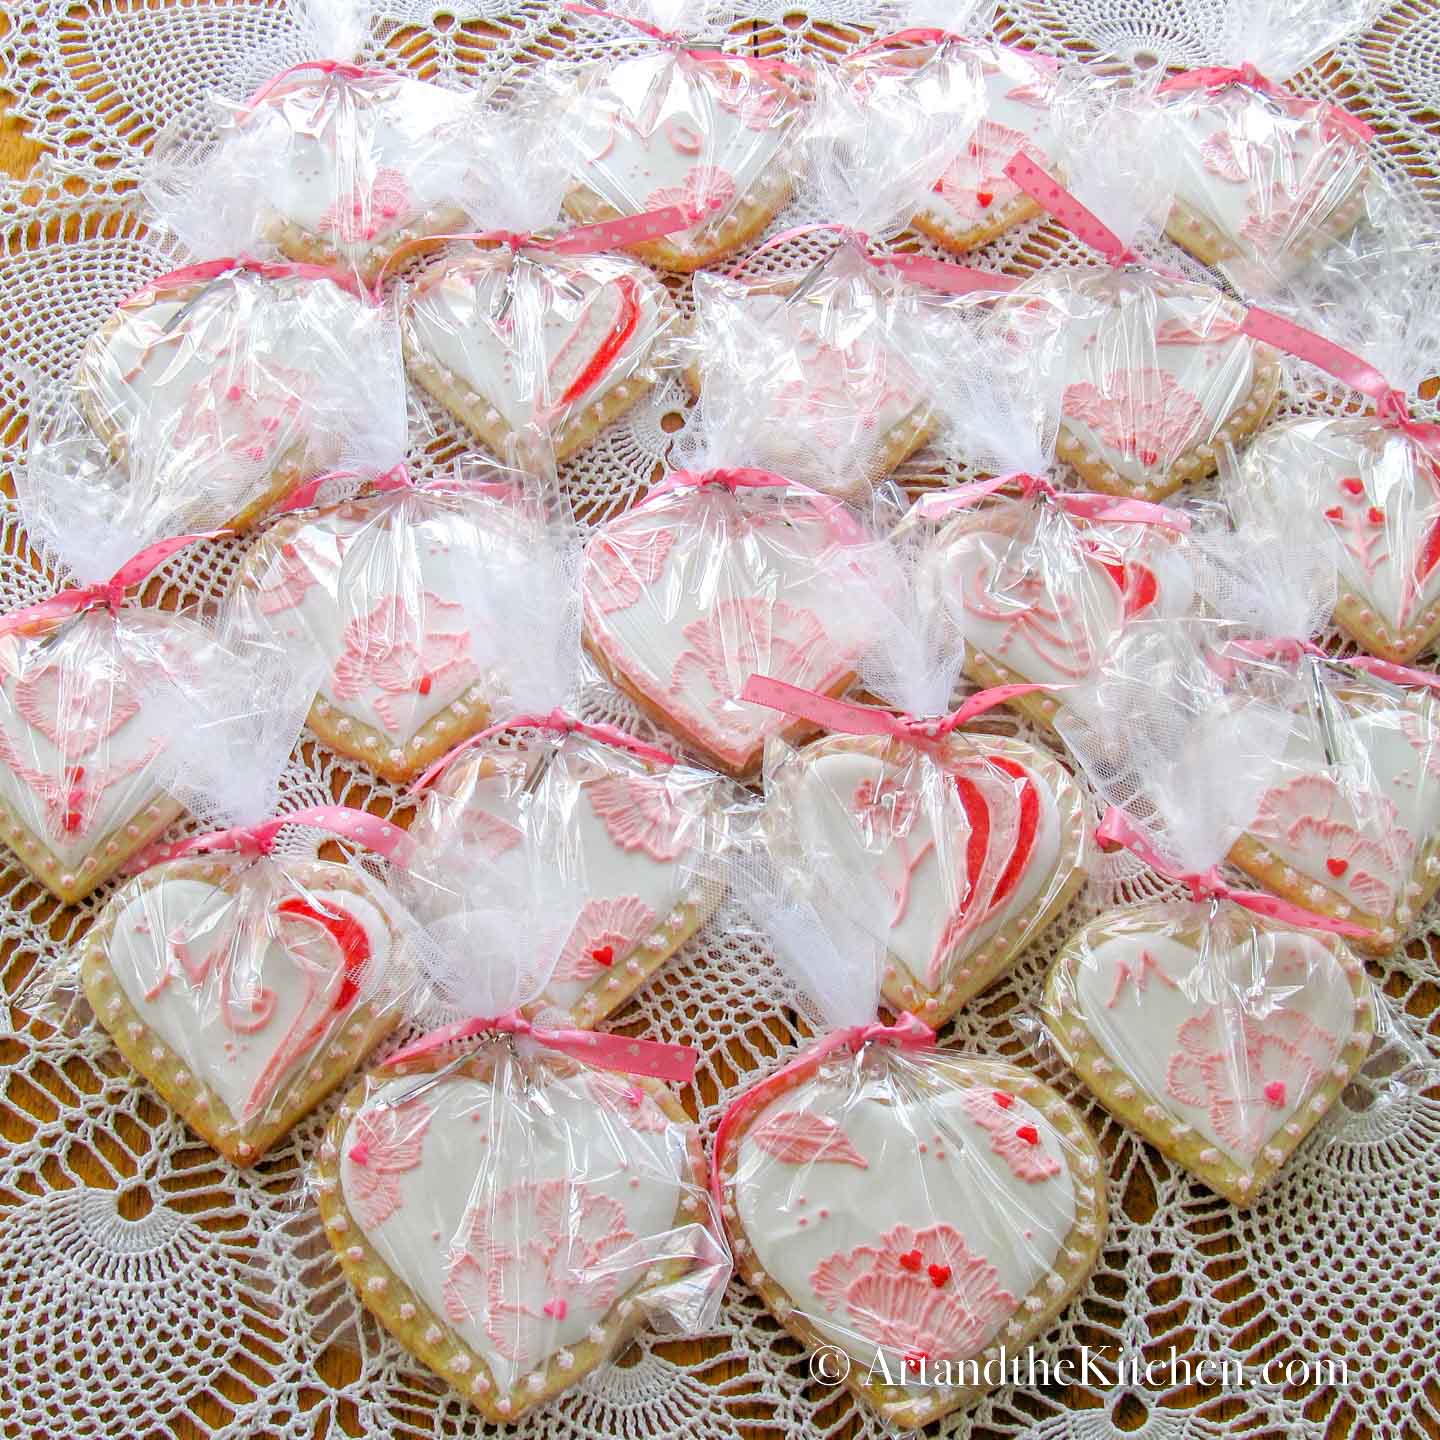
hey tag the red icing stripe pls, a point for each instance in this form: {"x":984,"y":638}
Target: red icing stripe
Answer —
{"x":978,"y":813}
{"x":348,"y":933}
{"x":604,"y":356}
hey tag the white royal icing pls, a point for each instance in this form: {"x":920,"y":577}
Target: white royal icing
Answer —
{"x":1360,"y":830}
{"x":1232,"y":1042}
{"x":243,"y":1014}
{"x":491,"y":1208}
{"x":889,"y":1160}
{"x":860,"y":808}
{"x":1369,"y":495}
{"x":689,"y":597}
{"x":394,"y":591}
{"x":1155,"y":373}
{"x":573,"y":329}
{"x":1050,"y":609}
{"x":629,"y":838}
{"x":85,"y":717}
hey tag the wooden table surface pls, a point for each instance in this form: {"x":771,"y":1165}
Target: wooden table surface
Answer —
{"x":18,"y":154}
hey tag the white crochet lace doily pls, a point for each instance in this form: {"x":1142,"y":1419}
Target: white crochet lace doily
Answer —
{"x":144,"y":1284}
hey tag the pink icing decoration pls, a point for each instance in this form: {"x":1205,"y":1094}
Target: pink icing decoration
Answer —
{"x":800,"y":1138}
{"x":1145,"y":414}
{"x":628,"y":1102}
{"x":684,"y":138}
{"x":1235,"y":1078}
{"x":1145,"y":967}
{"x":898,"y":1306}
{"x":390,"y":651}
{"x":620,"y":566}
{"x":1218,"y":155}
{"x":886,"y":812}
{"x":639,"y":813}
{"x":616,"y":925}
{"x":705,"y":187}
{"x":1054,"y":627}
{"x":1028,"y":1159}
{"x":364,"y":213}
{"x":389,"y":1140}
{"x":535,"y":1245}
{"x":979,"y":171}
{"x":1178,"y":331}
{"x":487,"y":833}
{"x":287,"y":581}
{"x":75,"y":713}
{"x":246,"y":422}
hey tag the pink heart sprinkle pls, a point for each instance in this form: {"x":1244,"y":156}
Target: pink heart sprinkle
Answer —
{"x":555,"y":1308}
{"x":1275,"y":1093}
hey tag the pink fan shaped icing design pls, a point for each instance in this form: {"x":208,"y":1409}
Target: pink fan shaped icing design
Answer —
{"x":487,"y":833}
{"x":800,"y":1138}
{"x":890,"y":1294}
{"x":535,"y":1245}
{"x":619,"y":567}
{"x":368,"y":211}
{"x":246,"y":419}
{"x":974,"y":183}
{"x":606,"y":932}
{"x":1017,"y":1143}
{"x":710,"y":188}
{"x":1217,"y":154}
{"x":1144,"y":413}
{"x":391,"y":650}
{"x":286,"y":584}
{"x":384,"y":1143}
{"x":74,"y":715}
{"x":639,"y":813}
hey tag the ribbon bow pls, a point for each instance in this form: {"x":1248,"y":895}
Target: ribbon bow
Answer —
{"x":748,"y":477}
{"x":109,"y":593}
{"x":558,"y":723}
{"x":259,"y":840}
{"x":1116,"y":828}
{"x":847,"y":718}
{"x":1212,"y":78}
{"x":653,"y":1059}
{"x":1290,"y":648}
{"x":1085,"y":505}
{"x":207,"y":270}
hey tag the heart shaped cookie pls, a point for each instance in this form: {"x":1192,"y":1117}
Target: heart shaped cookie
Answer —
{"x":961,"y":912}
{"x":682,"y":128}
{"x":505,"y":1231}
{"x":692,"y":592}
{"x":1261,"y":181}
{"x":1040,"y":597}
{"x":244,"y":993}
{"x":921,"y":1213}
{"x":349,"y":167}
{"x":1359,"y":840}
{"x":1162,"y":375}
{"x":633,"y":829}
{"x":391,"y":590}
{"x":839,"y":405}
{"x":560,"y":344}
{"x":88,"y":704}
{"x":217,"y":395}
{"x":1222,"y":1042}
{"x":1371,"y":496}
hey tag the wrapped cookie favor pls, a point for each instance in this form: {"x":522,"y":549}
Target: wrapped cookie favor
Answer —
{"x":1224,"y":1025}
{"x":204,"y":400}
{"x":922,"y":1209}
{"x":511,"y":1200}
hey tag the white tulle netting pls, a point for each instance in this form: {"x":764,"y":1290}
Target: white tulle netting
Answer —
{"x":145,"y":1285}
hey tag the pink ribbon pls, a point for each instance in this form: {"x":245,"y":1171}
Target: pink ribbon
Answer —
{"x":654,"y":1059}
{"x":764,"y":64}
{"x":1083,"y":504}
{"x":847,"y":718}
{"x":1075,"y":217}
{"x":347,"y":68}
{"x":1116,"y":828}
{"x":559,"y":723}
{"x":1217,"y":77}
{"x":398,"y":477}
{"x":368,"y":830}
{"x":1391,"y":408}
{"x":907,"y":1033}
{"x":110,"y":593}
{"x":268,"y":269}
{"x":1288,"y":648}
{"x":941,"y":275}
{"x":748,"y":477}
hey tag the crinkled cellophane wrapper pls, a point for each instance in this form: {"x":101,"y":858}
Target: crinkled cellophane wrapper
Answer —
{"x":144,"y":1284}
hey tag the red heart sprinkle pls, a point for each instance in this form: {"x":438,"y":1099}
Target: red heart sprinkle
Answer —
{"x":1275,"y":1093}
{"x":425,"y":682}
{"x":985,"y":199}
{"x":1029,"y":1134}
{"x":1334,"y":513}
{"x":939,"y":1274}
{"x":914,"y":1360}
{"x":1149,"y":457}
{"x":74,"y":822}
{"x":911,"y":1260}
{"x":360,"y":1153}
{"x":1337,"y":867}
{"x":1354,"y":485}
{"x":1003,"y":1100}
{"x":1376,"y":515}
{"x":603,"y":955}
